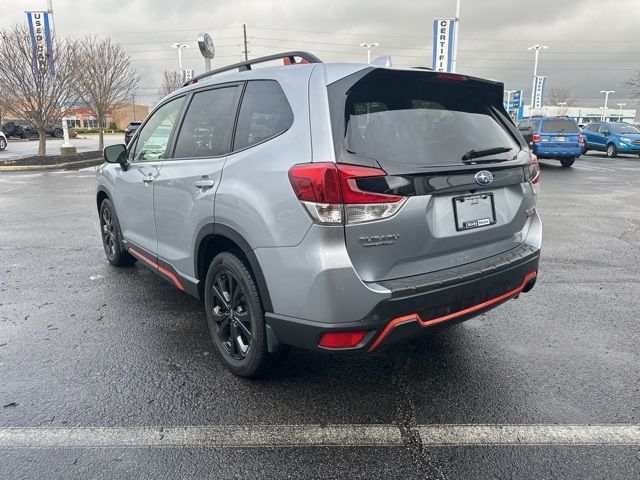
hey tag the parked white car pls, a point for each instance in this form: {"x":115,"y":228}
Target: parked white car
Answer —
{"x":3,"y":141}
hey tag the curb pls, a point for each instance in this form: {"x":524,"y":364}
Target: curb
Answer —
{"x":23,"y":168}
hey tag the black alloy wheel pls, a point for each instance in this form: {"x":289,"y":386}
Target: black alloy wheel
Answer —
{"x":110,"y":233}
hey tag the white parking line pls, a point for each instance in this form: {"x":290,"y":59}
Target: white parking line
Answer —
{"x":279,"y":436}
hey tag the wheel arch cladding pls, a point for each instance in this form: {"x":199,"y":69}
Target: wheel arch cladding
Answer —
{"x":217,"y":238}
{"x":100,"y":197}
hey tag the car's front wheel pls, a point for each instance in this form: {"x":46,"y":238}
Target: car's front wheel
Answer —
{"x":58,"y":133}
{"x":567,"y":162}
{"x":236,"y":318}
{"x":112,"y":237}
{"x":612,"y":151}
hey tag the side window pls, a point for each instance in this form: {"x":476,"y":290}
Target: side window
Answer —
{"x":208,"y":124}
{"x":265,"y":113}
{"x":154,"y":136}
{"x":603,"y":129}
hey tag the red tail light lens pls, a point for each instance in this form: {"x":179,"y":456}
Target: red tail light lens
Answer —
{"x":536,"y":174}
{"x":580,"y":139}
{"x":535,"y":138}
{"x":342,"y":339}
{"x":330,"y":192}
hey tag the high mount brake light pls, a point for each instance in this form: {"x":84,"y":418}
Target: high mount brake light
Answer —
{"x":330,"y":193}
{"x":452,"y":76}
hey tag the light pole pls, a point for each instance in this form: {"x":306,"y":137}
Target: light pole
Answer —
{"x":180,"y":46}
{"x":620,"y":111}
{"x":560,"y":109}
{"x":455,"y":37}
{"x":536,"y":49}
{"x":606,"y":100}
{"x":369,"y":46}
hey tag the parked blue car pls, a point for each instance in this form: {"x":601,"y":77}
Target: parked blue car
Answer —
{"x":556,"y":138}
{"x":611,"y":137}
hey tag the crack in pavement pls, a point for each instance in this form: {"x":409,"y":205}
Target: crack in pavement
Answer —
{"x":405,"y":416}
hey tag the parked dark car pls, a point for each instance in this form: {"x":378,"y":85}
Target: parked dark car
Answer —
{"x":25,"y":130}
{"x":130,"y":130}
{"x":556,"y":138}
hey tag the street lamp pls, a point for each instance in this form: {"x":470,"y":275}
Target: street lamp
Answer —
{"x":560,"y":109}
{"x":606,"y":100}
{"x":369,"y":46}
{"x":620,"y":112}
{"x":509,"y":92}
{"x":536,"y":49}
{"x":180,"y":46}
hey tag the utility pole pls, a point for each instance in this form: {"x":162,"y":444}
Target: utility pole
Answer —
{"x":369,"y":46}
{"x":536,"y":48}
{"x":606,"y":100}
{"x":133,"y":99}
{"x":456,"y":34}
{"x":244,"y":34}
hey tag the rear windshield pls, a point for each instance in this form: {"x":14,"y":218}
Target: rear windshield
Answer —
{"x":555,"y":125}
{"x":415,"y":120}
{"x":625,"y":128}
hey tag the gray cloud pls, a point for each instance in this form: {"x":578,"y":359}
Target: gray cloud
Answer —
{"x":587,"y":51}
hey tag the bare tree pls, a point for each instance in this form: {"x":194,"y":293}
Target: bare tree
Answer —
{"x":106,"y":80}
{"x":34,"y":94}
{"x":559,"y":96}
{"x":633,"y":84}
{"x":170,"y":82}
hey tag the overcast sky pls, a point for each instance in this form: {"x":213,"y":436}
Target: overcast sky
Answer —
{"x":593,"y":44}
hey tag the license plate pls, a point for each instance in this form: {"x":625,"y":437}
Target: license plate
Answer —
{"x":474,"y":211}
{"x":559,"y":139}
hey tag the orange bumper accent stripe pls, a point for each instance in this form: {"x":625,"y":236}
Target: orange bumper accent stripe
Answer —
{"x":415,"y":317}
{"x":162,"y":270}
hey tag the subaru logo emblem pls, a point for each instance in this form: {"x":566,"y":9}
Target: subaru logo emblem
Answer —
{"x":484,"y":177}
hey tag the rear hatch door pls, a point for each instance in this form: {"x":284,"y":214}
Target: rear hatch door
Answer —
{"x":557,"y":132}
{"x":417,"y":127}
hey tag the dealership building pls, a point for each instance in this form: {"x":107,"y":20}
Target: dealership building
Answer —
{"x":585,"y":115}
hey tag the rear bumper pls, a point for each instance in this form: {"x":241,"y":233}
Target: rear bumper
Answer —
{"x":543,"y":151}
{"x":423,"y":304}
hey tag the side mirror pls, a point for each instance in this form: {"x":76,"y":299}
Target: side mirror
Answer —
{"x":115,"y":154}
{"x":606,"y":133}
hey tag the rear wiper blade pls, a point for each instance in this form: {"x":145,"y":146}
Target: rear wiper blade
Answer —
{"x":483,"y":152}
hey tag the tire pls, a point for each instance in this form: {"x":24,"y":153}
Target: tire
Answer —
{"x":3,"y":143}
{"x":612,"y":151}
{"x":112,"y":237}
{"x":567,"y":162}
{"x":239,"y":337}
{"x":584,"y":150}
{"x":57,"y":133}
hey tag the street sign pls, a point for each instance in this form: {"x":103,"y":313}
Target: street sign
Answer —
{"x":187,"y":74}
{"x":443,"y":33}
{"x":516,"y":100}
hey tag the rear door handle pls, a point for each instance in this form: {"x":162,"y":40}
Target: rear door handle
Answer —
{"x":204,"y":183}
{"x":148,"y":179}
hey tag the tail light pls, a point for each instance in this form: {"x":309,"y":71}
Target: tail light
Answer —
{"x":330,"y":193}
{"x":580,"y":139}
{"x":534,"y":169}
{"x":535,"y":138}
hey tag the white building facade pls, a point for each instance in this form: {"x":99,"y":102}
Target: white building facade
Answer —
{"x":584,"y":115}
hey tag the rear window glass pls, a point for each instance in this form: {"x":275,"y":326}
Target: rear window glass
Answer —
{"x":555,"y":125}
{"x":414,"y":120}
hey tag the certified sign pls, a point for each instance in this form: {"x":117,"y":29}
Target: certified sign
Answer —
{"x":443,"y":32}
{"x":205,"y":44}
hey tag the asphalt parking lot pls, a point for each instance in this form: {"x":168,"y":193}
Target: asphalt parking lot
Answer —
{"x":110,"y":373}
{"x":17,"y":149}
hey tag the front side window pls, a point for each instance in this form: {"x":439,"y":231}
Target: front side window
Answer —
{"x":265,"y":113}
{"x":208,"y":124}
{"x":154,"y":136}
{"x":604,"y":129}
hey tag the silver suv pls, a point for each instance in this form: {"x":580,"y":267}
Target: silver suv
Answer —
{"x":328,"y":206}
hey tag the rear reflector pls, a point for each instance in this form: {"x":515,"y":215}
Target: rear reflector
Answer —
{"x":342,"y":339}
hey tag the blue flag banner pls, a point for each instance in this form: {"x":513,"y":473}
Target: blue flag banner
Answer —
{"x":538,"y":91}
{"x":42,"y":41}
{"x":443,"y":33}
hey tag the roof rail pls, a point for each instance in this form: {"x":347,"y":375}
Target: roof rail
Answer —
{"x":246,"y":65}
